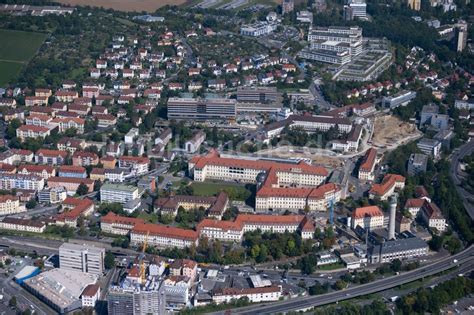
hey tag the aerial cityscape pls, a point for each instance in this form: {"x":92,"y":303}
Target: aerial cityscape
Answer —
{"x":237,"y":157}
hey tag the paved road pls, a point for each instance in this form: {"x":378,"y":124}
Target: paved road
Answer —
{"x":463,"y":259}
{"x":458,"y":155}
{"x":46,"y":247}
{"x":318,"y":96}
{"x":25,"y":300}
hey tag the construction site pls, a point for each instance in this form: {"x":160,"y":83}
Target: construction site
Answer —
{"x":390,"y":132}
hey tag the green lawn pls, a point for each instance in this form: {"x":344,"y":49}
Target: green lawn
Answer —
{"x":148,"y":217}
{"x":236,"y":192}
{"x":331,"y":266}
{"x":16,"y":49}
{"x":8,"y":71}
{"x":18,"y":45}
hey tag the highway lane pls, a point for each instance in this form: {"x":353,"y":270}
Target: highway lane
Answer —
{"x":464,"y":259}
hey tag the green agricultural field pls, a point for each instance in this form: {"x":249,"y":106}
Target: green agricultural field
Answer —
{"x":8,"y":71}
{"x":16,"y":49}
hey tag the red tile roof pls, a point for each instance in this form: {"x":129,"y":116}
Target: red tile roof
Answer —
{"x":432,"y":211}
{"x":135,"y":159}
{"x":115,"y":218}
{"x":387,"y":183}
{"x":298,"y":192}
{"x":72,"y":169}
{"x":257,"y":219}
{"x":79,"y":207}
{"x":52,"y":153}
{"x":85,"y":154}
{"x":213,"y":158}
{"x":91,"y":290}
{"x":4,"y":198}
{"x":369,"y":160}
{"x":36,"y":168}
{"x":33,"y":128}
{"x":414,"y":203}
{"x":371,"y":211}
{"x":165,"y":231}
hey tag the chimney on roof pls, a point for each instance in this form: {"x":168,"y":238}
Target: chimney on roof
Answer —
{"x":391,"y":222}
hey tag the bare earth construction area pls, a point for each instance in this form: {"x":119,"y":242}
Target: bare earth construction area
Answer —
{"x":125,"y":5}
{"x":390,"y":132}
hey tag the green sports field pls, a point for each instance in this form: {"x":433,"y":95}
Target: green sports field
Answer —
{"x":16,"y":49}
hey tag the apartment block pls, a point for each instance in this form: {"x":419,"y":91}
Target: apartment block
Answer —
{"x":18,"y":181}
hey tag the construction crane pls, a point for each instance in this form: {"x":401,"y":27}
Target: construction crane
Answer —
{"x":142,"y":260}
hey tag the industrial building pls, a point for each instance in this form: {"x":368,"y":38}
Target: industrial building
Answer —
{"x":60,"y":289}
{"x":401,"y":249}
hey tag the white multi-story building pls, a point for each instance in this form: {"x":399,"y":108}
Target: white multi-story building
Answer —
{"x":90,"y":295}
{"x":23,"y":225}
{"x":225,"y":231}
{"x":131,"y":135}
{"x":254,"y":295}
{"x":258,"y":29}
{"x":115,"y":175}
{"x":118,"y":193}
{"x":430,"y":147}
{"x":18,"y":181}
{"x":38,"y":120}
{"x":359,"y":9}
{"x":31,"y":131}
{"x":367,"y":217}
{"x":351,"y":36}
{"x":10,"y":205}
{"x":139,"y":165}
{"x":70,"y":122}
{"x":82,"y":258}
{"x":228,"y":231}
